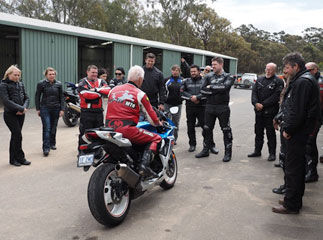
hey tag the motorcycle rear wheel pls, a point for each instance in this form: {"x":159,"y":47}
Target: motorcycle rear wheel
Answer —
{"x":171,"y":173}
{"x":70,"y":118}
{"x":105,"y":202}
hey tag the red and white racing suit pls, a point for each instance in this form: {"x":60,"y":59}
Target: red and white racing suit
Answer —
{"x":91,"y":93}
{"x":124,"y":105}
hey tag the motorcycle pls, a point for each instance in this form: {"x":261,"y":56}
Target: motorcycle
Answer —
{"x":72,"y":108}
{"x":116,"y":181}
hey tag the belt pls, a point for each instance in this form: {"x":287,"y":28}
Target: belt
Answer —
{"x":119,"y":123}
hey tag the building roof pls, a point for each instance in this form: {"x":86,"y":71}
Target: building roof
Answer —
{"x":36,"y":24}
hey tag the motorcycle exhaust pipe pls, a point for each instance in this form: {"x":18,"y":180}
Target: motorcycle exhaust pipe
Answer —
{"x":74,"y":107}
{"x":127,"y":174}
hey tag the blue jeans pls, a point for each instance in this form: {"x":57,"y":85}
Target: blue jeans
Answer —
{"x":49,"y":117}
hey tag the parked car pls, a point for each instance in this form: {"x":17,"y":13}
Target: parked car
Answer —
{"x":237,"y":76}
{"x":246,"y":80}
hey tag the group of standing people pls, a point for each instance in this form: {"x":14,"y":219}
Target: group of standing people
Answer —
{"x":294,"y":106}
{"x":49,"y":100}
{"x":206,"y":98}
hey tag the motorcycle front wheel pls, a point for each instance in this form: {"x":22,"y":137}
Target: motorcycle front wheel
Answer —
{"x":70,"y":117}
{"x":171,"y":173}
{"x":108,"y":196}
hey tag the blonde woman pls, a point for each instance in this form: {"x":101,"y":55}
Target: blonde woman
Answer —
{"x":49,"y":100}
{"x":16,"y":102}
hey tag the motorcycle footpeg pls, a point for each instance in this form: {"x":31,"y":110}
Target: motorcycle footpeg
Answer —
{"x":147,"y":172}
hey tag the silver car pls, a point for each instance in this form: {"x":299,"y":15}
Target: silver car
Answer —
{"x":246,"y":80}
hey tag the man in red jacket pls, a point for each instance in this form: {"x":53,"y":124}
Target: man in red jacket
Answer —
{"x":91,"y":89}
{"x":123,"y":110}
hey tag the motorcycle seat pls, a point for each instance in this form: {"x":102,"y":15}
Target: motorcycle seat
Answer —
{"x":106,"y":129}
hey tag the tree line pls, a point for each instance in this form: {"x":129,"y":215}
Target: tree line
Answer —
{"x":190,"y":23}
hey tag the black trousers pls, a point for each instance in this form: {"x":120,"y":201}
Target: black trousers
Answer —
{"x":262,"y":123}
{"x":193,"y":113}
{"x":15,"y":123}
{"x":295,"y":171}
{"x":89,"y":120}
{"x":282,"y":153}
{"x":311,"y":152}
{"x":222,"y":112}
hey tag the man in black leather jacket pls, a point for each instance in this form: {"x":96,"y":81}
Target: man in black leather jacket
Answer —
{"x":265,"y":99}
{"x":216,"y":88}
{"x":195,"y":105}
{"x":153,"y":84}
{"x":300,"y":108}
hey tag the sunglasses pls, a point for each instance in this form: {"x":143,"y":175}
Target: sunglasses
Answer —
{"x":118,"y":74}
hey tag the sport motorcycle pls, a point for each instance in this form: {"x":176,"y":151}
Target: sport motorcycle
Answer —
{"x":116,"y":180}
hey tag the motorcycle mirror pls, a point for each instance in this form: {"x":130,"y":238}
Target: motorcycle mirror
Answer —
{"x":174,"y":110}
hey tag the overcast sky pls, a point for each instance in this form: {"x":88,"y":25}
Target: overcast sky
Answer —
{"x":292,"y":16}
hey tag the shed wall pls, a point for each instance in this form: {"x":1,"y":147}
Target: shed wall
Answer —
{"x":233,"y":66}
{"x":40,"y":50}
{"x":198,"y":60}
{"x":169,"y":59}
{"x":137,"y":55}
{"x":121,"y":56}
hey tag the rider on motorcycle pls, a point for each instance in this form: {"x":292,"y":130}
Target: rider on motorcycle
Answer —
{"x":123,"y":109}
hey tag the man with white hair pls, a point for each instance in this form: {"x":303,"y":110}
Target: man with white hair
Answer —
{"x":124,"y":105}
{"x":265,"y":98}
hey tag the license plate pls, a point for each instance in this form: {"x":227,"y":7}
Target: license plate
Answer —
{"x":85,"y":160}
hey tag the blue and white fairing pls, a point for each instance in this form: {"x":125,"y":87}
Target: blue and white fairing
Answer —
{"x":147,"y":126}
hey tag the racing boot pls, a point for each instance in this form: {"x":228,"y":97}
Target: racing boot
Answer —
{"x":203,"y":153}
{"x":227,"y":154}
{"x":310,"y":171}
{"x":227,"y":138}
{"x":144,"y":168}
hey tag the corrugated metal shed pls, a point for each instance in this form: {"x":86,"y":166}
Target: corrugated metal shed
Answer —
{"x":198,"y":60}
{"x":41,"y":50}
{"x":169,"y":59}
{"x":36,"y":24}
{"x":65,"y":48}
{"x":121,"y":55}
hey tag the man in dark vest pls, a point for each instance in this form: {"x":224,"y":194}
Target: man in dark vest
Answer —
{"x":265,"y":99}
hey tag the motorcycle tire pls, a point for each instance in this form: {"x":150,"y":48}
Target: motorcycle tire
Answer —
{"x":106,"y":207}
{"x":69,"y":117}
{"x":171,"y":173}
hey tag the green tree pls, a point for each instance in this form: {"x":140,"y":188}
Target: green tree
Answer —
{"x":122,"y":16}
{"x":206,"y":23}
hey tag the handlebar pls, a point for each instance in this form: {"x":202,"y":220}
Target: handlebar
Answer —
{"x":71,"y":85}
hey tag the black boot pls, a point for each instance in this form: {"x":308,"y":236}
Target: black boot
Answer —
{"x":280,"y":190}
{"x":144,"y":168}
{"x":254,"y":154}
{"x":227,"y":154}
{"x":214,"y":150}
{"x":272,"y":157}
{"x":203,"y":153}
{"x":311,"y":176}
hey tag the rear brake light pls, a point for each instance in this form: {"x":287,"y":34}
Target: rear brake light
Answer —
{"x":83,"y":147}
{"x":91,"y":135}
